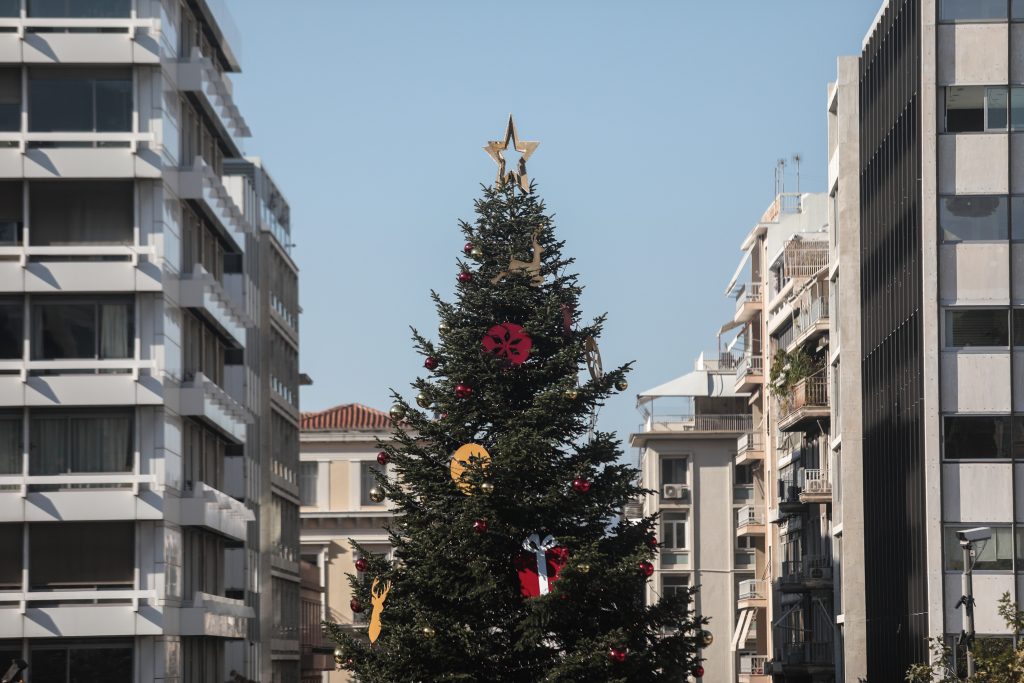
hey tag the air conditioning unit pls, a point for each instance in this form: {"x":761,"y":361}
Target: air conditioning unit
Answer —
{"x":820,"y":573}
{"x":675,"y":492}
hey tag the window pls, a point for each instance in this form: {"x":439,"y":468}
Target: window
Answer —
{"x":71,"y":212}
{"x":65,"y":328}
{"x":69,"y":442}
{"x":10,"y":8}
{"x":976,"y":108}
{"x":104,"y":554}
{"x":204,"y":350}
{"x":995,"y":554}
{"x":71,"y":661}
{"x":204,"y":453}
{"x":11,"y":213}
{"x":973,"y":10}
{"x":744,"y":475}
{"x":87,"y":9}
{"x":673,"y":530}
{"x":976,"y":436}
{"x":368,"y":481}
{"x":12,"y":329}
{"x":674,"y":471}
{"x":307,"y":482}
{"x":674,"y":585}
{"x":1020,"y":548}
{"x":10,"y":96}
{"x":80,"y":100}
{"x":10,"y":442}
{"x":11,"y":558}
{"x":204,"y":562}
{"x":202,"y":659}
{"x":973,"y":217}
{"x":987,"y":327}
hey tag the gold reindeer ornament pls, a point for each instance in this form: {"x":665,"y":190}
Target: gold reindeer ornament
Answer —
{"x":530,"y":268}
{"x":377,"y":597}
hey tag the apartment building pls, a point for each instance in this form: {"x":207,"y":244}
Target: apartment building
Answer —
{"x":339,"y":449}
{"x":926,"y":178}
{"x":781,"y":333}
{"x":688,"y":459}
{"x":132,"y":384}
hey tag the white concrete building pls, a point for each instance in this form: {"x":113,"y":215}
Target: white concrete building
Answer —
{"x":131,"y":508}
{"x":687,"y":456}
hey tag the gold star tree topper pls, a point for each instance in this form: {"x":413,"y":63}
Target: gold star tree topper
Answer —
{"x":496,"y":148}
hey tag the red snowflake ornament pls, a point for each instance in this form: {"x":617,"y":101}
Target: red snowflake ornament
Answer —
{"x":508,"y":341}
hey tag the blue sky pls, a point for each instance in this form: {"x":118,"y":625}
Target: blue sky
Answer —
{"x":660,"y":124}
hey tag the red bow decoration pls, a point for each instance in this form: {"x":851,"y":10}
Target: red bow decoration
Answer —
{"x":509,"y":342}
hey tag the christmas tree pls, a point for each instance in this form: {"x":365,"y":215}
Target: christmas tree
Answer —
{"x":512,"y":562}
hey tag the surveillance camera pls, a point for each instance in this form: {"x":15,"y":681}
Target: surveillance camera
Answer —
{"x":981,"y":533}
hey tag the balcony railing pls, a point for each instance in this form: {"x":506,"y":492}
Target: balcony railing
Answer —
{"x":753,"y":589}
{"x":749,"y":293}
{"x":813,"y":309}
{"x":808,"y":569}
{"x":804,"y":258}
{"x":817,"y":481}
{"x":748,"y":515}
{"x":805,"y":653}
{"x":700,"y":423}
{"x":749,"y":365}
{"x":753,"y":665}
{"x":751,"y":441}
{"x":790,"y":486}
{"x":811,"y":392}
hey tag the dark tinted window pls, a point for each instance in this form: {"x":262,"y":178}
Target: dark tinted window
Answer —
{"x":103,"y":552}
{"x":70,"y":212}
{"x":80,"y":100}
{"x":965,"y":218}
{"x":80,"y":441}
{"x":12,"y":329}
{"x":977,"y":436}
{"x":69,"y":329}
{"x":10,"y":99}
{"x":977,"y":327}
{"x":972,"y":10}
{"x":79,"y":8}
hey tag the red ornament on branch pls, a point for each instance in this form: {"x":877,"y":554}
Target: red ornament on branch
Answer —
{"x":467,"y":248}
{"x":480,"y":526}
{"x":508,"y":341}
{"x":355,"y":606}
{"x":698,"y":671}
{"x":362,"y":564}
{"x":465,"y":276}
{"x":652,"y":541}
{"x":383,"y":458}
{"x":617,"y":654}
{"x":539,"y":565}
{"x":463,"y":391}
{"x":646,"y":568}
{"x":430,"y":363}
{"x":580,"y":485}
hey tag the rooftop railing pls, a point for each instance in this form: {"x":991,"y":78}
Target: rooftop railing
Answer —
{"x":699,"y":423}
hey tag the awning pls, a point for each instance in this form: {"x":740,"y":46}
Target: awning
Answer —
{"x":742,"y":629}
{"x":696,"y":383}
{"x":736,"y":275}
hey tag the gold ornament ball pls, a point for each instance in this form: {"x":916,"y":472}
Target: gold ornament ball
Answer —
{"x":397,"y":412}
{"x":487,"y":488}
{"x":572,"y":394}
{"x":622,"y":385}
{"x":422,"y":400}
{"x":442,"y":327}
{"x":377,"y":495}
{"x":477,"y":254}
{"x":428,"y":632}
{"x":337,"y":652}
{"x":583,"y":567}
{"x":707,"y":638}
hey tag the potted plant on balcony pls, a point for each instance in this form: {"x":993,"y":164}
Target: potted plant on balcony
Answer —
{"x":787,"y":370}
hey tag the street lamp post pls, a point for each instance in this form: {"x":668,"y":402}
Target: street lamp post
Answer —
{"x":968,"y":537}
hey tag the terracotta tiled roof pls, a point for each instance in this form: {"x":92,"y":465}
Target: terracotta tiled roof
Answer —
{"x":348,"y":416}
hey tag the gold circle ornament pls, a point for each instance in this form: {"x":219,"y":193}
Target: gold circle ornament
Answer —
{"x":429,"y":632}
{"x":397,"y":412}
{"x":376,"y":494}
{"x":487,"y":488}
{"x":572,"y":393}
{"x":442,"y":327}
{"x":622,"y":385}
{"x":460,"y":463}
{"x":708,"y":638}
{"x":422,"y":400}
{"x":583,"y":567}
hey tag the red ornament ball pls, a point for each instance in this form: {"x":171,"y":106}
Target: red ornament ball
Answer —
{"x":465,"y":276}
{"x":468,"y":247}
{"x":617,"y":654}
{"x":646,"y":568}
{"x":580,"y":485}
{"x":463,"y":391}
{"x":355,"y":606}
{"x":652,"y":541}
{"x":430,"y":363}
{"x":362,"y":564}
{"x":480,"y":526}
{"x":383,"y":458}
{"x":698,"y":671}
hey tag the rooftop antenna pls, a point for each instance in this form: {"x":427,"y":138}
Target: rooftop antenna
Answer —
{"x":797,"y":159}
{"x":780,"y":172}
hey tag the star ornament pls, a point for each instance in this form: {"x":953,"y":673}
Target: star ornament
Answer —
{"x":496,"y":150}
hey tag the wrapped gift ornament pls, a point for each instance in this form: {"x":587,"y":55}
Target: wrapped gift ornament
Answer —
{"x":540,"y":564}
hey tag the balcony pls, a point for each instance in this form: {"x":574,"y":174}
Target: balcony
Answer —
{"x":200,"y":76}
{"x":805,"y":405}
{"x":78,"y":155}
{"x":202,"y":184}
{"x":201,"y":397}
{"x":116,"y":268}
{"x":216,"y":616}
{"x":79,"y":383}
{"x":749,"y":373}
{"x":749,"y":521}
{"x":790,"y":488}
{"x":803,"y":657}
{"x":811,"y":321}
{"x":79,"y":497}
{"x":215,"y":510}
{"x":748,"y":302}
{"x":79,"y":612}
{"x":202,"y":291}
{"x":704,"y":423}
{"x":753,"y":669}
{"x":817,"y":487}
{"x":750,"y":448}
{"x":752,"y":594}
{"x":810,"y":573}
{"x":72,"y":40}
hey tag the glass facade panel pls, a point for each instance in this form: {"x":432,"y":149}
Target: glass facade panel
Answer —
{"x":80,"y":100}
{"x":976,"y":108}
{"x":79,"y":661}
{"x":974,"y":217}
{"x":71,"y":330}
{"x":10,"y":95}
{"x":69,"y":212}
{"x":995,"y":554}
{"x":85,"y":9}
{"x":80,"y":441}
{"x":12,"y":330}
{"x":976,"y":437}
{"x":986,"y":327}
{"x":972,"y":10}
{"x":104,"y":555}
